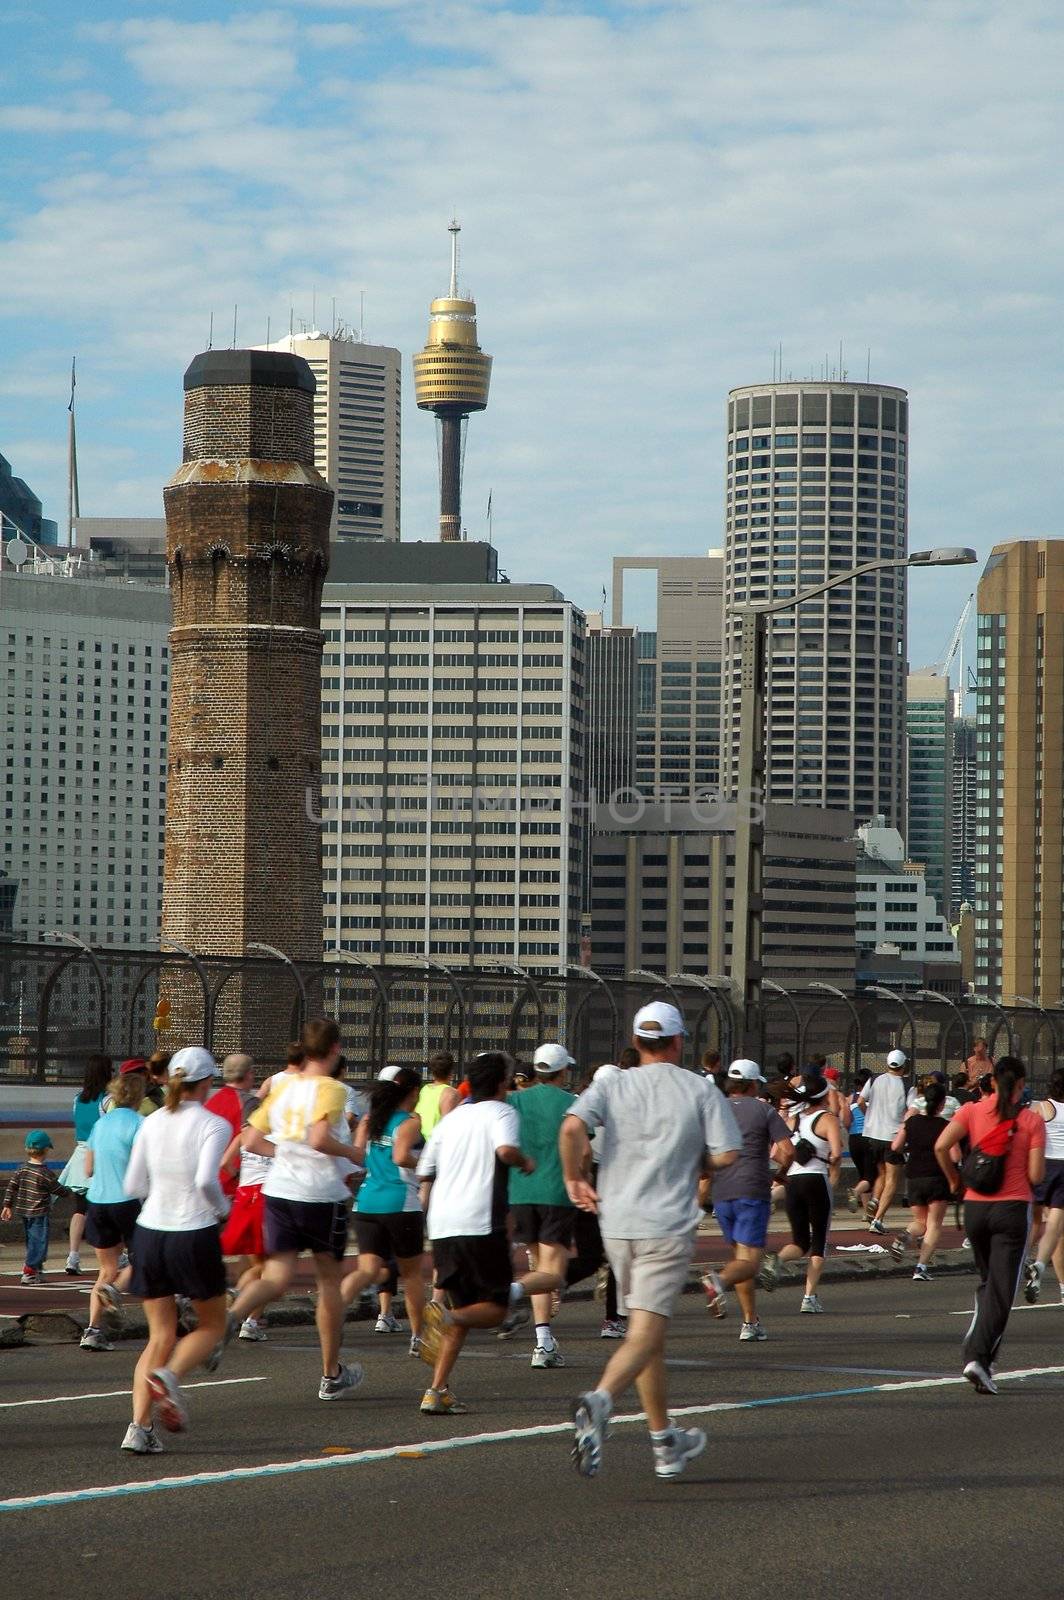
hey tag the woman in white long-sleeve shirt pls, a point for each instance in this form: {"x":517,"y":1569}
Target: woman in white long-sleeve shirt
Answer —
{"x":176,"y":1250}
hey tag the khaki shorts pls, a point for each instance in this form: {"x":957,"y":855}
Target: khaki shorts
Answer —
{"x":651,"y":1273}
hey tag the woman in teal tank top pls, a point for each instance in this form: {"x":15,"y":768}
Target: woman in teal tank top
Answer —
{"x":388,"y":1221}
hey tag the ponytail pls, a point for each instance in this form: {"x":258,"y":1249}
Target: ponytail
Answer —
{"x":934,"y":1099}
{"x":176,"y":1091}
{"x":386,"y":1097}
{"x":1008,"y":1072}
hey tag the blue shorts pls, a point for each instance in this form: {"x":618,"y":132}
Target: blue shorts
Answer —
{"x":744,"y":1221}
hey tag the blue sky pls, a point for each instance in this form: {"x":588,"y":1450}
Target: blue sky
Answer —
{"x":652,"y":197}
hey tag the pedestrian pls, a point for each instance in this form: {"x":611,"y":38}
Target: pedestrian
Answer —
{"x":1050,"y":1194}
{"x":294,"y":1057}
{"x":87,"y":1109}
{"x":838,"y":1102}
{"x":865,"y":1179}
{"x":810,"y":1184}
{"x":158,"y":1075}
{"x":242,"y":1234}
{"x":173,"y":1170}
{"x":389,"y":1224}
{"x":926,"y":1185}
{"x":997,"y":1219}
{"x":463,"y":1161}
{"x":31,"y":1191}
{"x":978,"y":1064}
{"x":111,"y":1216}
{"x":741,"y":1196}
{"x":590,"y":1251}
{"x":661,"y":1126}
{"x":883,"y":1103}
{"x":543,"y":1215}
{"x":438,"y":1096}
{"x":230,"y":1102}
{"x":302,"y":1125}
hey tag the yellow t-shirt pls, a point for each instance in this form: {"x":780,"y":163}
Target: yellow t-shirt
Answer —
{"x":299,"y":1172}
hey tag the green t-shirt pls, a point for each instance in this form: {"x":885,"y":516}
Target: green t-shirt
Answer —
{"x":540,"y":1111}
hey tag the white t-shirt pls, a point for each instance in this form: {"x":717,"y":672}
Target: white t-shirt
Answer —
{"x":299,"y":1172}
{"x":884,"y":1100}
{"x":174,"y":1166}
{"x":469,"y":1195}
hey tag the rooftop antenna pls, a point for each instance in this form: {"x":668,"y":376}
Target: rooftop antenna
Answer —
{"x":233,"y":345}
{"x":267,"y":328}
{"x":291,"y":319}
{"x":842,"y":374}
{"x":73,"y":502}
{"x":314,"y":308}
{"x":362,"y":316}
{"x":868,"y":366}
{"x":454,"y":230}
{"x":210,"y":333}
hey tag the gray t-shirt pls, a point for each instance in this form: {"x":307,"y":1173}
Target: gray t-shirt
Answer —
{"x":884,"y":1100}
{"x":761,"y":1127}
{"x":657,"y":1123}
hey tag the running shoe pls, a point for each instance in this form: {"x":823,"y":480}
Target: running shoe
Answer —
{"x":386,"y":1323}
{"x":252,"y":1330}
{"x":751,"y":1331}
{"x":871,"y":1207}
{"x":232,"y":1328}
{"x":591,"y":1413}
{"x":1032,"y":1287}
{"x":442,"y":1403}
{"x":123,"y":1261}
{"x":433,"y":1322}
{"x":853,"y":1202}
{"x":73,"y":1265}
{"x":518,"y":1316}
{"x":921,"y":1274}
{"x":979,"y":1378}
{"x":716,"y":1304}
{"x":167,"y":1401}
{"x":415,"y":1346}
{"x":31,"y":1278}
{"x":769,"y":1272}
{"x":810,"y":1305}
{"x":142,"y":1441}
{"x":346,"y":1379}
{"x":875,"y":1226}
{"x":614,"y":1328}
{"x":897,"y":1246}
{"x":95,"y":1339}
{"x":113,"y":1297}
{"x":672,"y":1454}
{"x":547,"y":1356}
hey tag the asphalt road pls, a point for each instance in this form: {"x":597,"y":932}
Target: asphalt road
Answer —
{"x":839,"y":1464}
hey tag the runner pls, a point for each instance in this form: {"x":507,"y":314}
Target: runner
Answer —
{"x":88,"y":1106}
{"x":810,"y":1183}
{"x":466,"y":1161}
{"x":158,"y":1065}
{"x":838,"y":1102}
{"x":1050,"y":1195}
{"x":661,"y":1124}
{"x":927,"y":1188}
{"x":587,"y":1235}
{"x":858,"y":1146}
{"x":173,"y":1169}
{"x":294,"y":1057}
{"x":243,"y":1234}
{"x":230,"y":1102}
{"x":438,"y":1096}
{"x":978,"y":1064}
{"x":997,"y":1222}
{"x":301,"y":1124}
{"x":741,"y":1196}
{"x":112,"y":1215}
{"x":883,"y":1103}
{"x":389,"y":1224}
{"x":543,"y":1214}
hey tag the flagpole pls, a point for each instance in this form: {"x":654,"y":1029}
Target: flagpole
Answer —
{"x":73,"y":502}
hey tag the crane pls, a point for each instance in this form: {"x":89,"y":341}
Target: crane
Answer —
{"x":940,"y":668}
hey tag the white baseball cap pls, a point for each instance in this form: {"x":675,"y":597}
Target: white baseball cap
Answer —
{"x":658,"y":1020}
{"x":552,"y":1058}
{"x":746,"y":1071}
{"x":192,"y":1064}
{"x":388,"y":1074}
{"x":897,"y":1058}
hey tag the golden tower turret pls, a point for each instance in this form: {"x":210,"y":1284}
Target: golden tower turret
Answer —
{"x":451,"y":379}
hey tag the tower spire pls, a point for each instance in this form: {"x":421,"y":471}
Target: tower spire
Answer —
{"x":454,"y":230}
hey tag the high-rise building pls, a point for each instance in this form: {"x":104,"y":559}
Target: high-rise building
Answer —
{"x":1019,"y":872}
{"x":85,"y":726}
{"x":816,"y":484}
{"x":895,"y":906}
{"x":356,"y":429}
{"x":611,"y":716}
{"x":964,"y":803}
{"x":20,"y":510}
{"x":678,"y":678}
{"x":929,"y":731}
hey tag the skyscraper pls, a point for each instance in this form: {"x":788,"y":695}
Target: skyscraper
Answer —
{"x":964,"y":803}
{"x":929,"y":730}
{"x":357,"y":429}
{"x":611,"y":699}
{"x":816,"y":484}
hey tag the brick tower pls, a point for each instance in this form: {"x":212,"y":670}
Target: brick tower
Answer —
{"x":247,"y":527}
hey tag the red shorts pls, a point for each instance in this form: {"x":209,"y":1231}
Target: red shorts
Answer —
{"x":242,"y":1234}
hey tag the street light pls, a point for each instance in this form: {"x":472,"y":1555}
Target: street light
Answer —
{"x":747,"y":929}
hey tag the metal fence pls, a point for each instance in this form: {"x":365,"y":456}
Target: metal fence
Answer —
{"x":61,"y":1002}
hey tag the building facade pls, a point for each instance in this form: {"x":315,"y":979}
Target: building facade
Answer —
{"x":964,"y":806}
{"x":929,"y":731}
{"x":816,"y":484}
{"x":612,"y":666}
{"x":896,"y":910}
{"x":21,"y":511}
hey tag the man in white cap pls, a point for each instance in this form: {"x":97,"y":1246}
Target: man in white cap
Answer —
{"x":742,"y":1195}
{"x":543,"y":1215}
{"x":661,"y":1127}
{"x":883,"y":1102}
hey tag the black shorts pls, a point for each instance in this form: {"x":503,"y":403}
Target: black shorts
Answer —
{"x":474,"y":1269}
{"x":81,"y":1204}
{"x":177,"y":1263}
{"x":925,"y":1191}
{"x":107,"y":1226}
{"x":543,"y":1224}
{"x":878,"y":1151}
{"x":292,"y":1226}
{"x":388,"y":1234}
{"x":1050,"y":1192}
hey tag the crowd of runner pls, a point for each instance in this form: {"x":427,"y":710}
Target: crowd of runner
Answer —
{"x":173,"y":1176}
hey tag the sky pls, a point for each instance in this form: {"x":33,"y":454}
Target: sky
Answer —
{"x":653,"y":197}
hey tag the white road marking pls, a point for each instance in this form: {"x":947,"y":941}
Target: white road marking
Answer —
{"x":116,"y":1394}
{"x":1050,"y":1305}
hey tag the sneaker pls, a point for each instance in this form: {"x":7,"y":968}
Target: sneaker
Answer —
{"x":386,"y":1323}
{"x":434,"y":1321}
{"x":752,"y":1330}
{"x":716,"y":1304}
{"x":897,"y":1246}
{"x":167,"y":1401}
{"x":232,"y":1328}
{"x":113,"y":1298}
{"x":979,"y":1378}
{"x":547,"y":1356}
{"x":615,"y":1328}
{"x":875,"y":1226}
{"x":187,"y":1320}
{"x":921,"y":1274}
{"x":415,"y":1346}
{"x":142,"y":1441}
{"x":518,"y":1316}
{"x":871,"y":1207}
{"x":123,"y":1261}
{"x":346,"y":1379}
{"x":442,"y":1403}
{"x":769,"y":1272}
{"x":252,"y":1330}
{"x":853,"y":1202}
{"x":73,"y":1265}
{"x":673,"y":1453}
{"x":31,"y":1278}
{"x":591,"y":1413}
{"x":95,"y":1339}
{"x":1032,"y":1287}
{"x":810,"y":1305}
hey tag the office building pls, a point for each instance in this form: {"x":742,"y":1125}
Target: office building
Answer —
{"x":123,"y":547}
{"x":896,"y":911}
{"x":20,"y":510}
{"x":1019,"y":796}
{"x":816,"y":484}
{"x":356,"y":429}
{"x":929,"y":732}
{"x":678,"y":675}
{"x":663,"y":890}
{"x":964,"y":802}
{"x":612,"y":665}
{"x":85,"y":723}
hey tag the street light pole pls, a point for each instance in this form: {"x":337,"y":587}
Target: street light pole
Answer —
{"x":748,"y":903}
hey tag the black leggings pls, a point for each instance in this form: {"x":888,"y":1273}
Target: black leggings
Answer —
{"x":997,"y":1231}
{"x":864,"y":1166}
{"x":808,"y":1201}
{"x":587,"y":1237}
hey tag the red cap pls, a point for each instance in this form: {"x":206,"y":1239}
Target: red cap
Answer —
{"x":832,"y":1074}
{"x":134,"y":1064}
